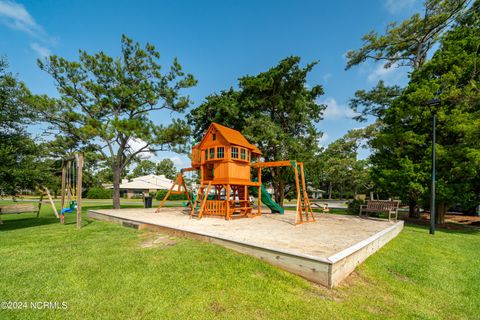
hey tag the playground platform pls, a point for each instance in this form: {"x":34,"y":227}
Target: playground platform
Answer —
{"x":325,"y":251}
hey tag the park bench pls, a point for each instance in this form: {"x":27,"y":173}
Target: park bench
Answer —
{"x":322,"y":206}
{"x":388,"y":206}
{"x":20,"y":208}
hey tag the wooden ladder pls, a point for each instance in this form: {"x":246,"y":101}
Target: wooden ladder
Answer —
{"x":303,"y":204}
{"x":202,"y":197}
{"x":307,"y":208}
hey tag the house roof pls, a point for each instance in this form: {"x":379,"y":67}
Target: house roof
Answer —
{"x":147,"y":182}
{"x":233,"y":137}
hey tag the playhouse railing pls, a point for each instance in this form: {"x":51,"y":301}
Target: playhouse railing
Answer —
{"x":216,"y":207}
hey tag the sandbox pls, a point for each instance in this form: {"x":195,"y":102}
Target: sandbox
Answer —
{"x":325,"y":251}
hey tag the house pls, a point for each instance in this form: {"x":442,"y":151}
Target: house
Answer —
{"x":142,"y":186}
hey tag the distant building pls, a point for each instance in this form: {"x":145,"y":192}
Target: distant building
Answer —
{"x":142,"y":186}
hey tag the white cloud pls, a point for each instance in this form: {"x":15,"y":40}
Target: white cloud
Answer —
{"x":137,"y":144}
{"x":381,"y":73}
{"x":398,"y":6}
{"x":322,"y":141}
{"x":15,"y":16}
{"x":335,"y":110}
{"x":42,"y":51}
{"x":177,"y":161}
{"x":326,"y":77}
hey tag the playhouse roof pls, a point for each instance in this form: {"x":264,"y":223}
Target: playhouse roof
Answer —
{"x":233,"y":137}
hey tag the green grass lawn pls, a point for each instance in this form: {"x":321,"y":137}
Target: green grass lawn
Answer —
{"x":105,"y":271}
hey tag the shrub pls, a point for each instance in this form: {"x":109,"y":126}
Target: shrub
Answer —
{"x":162,"y":193}
{"x":354,"y":206}
{"x":99,"y":193}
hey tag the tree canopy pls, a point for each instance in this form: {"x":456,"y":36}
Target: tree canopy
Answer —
{"x":22,"y":164}
{"x":275,"y":110}
{"x":401,"y":159}
{"x":108,"y":100}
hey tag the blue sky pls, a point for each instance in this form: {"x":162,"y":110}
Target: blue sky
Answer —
{"x":217,"y":41}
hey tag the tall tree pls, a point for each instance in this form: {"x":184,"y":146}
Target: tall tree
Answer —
{"x":275,"y":110}
{"x":338,"y":169}
{"x":143,"y":168}
{"x":167,"y":168}
{"x":402,"y":147}
{"x":109,"y":100}
{"x":406,"y":44}
{"x":21,"y":165}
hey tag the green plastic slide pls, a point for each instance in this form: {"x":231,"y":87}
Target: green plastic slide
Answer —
{"x":267,"y":200}
{"x":193,"y":197}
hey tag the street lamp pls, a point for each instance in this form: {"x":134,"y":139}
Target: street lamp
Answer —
{"x":431,"y":105}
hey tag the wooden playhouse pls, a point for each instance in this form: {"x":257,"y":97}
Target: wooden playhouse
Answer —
{"x":226,"y":163}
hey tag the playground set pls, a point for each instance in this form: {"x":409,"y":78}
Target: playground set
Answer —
{"x":225,"y":161}
{"x":229,"y":169}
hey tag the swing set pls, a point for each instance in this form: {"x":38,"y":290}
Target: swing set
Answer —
{"x":71,"y":200}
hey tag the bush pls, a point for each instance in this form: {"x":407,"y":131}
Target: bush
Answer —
{"x":354,"y":206}
{"x":162,"y":193}
{"x":99,"y":193}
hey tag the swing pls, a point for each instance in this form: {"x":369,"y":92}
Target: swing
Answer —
{"x":71,"y":188}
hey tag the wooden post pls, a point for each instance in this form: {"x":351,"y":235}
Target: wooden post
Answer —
{"x":227,"y":198}
{"x":306,"y":201}
{"x":79,"y":157}
{"x":259,"y":191}
{"x":40,"y":204}
{"x":51,"y":202}
{"x":299,"y":205}
{"x":64,"y":177}
{"x":204,"y":202}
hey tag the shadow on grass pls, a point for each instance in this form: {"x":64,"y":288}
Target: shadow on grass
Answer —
{"x":447,"y":228}
{"x":46,"y":217}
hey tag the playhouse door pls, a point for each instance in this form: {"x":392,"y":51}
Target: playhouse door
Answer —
{"x":208,"y":171}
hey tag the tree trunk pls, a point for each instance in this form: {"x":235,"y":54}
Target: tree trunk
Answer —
{"x":371,"y":195}
{"x":441,"y":211}
{"x":412,"y":212}
{"x":280,"y":193}
{"x":116,"y":186}
{"x":330,"y":188}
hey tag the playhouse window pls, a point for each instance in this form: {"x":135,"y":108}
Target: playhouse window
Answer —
{"x":212,"y":153}
{"x":248,"y":155}
{"x":214,"y":136}
{"x":243,"y":155}
{"x":206,"y":154}
{"x":234,"y":152}
{"x":220,"y":152}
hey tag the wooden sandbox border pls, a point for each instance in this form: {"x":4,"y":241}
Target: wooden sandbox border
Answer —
{"x":327,"y":272}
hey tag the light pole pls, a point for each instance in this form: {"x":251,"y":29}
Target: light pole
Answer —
{"x":431,"y":105}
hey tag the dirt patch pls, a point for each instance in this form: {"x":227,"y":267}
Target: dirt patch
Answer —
{"x":452,"y":221}
{"x":321,"y":292}
{"x":157,"y":240}
{"x":399,"y":276}
{"x":217,"y":308}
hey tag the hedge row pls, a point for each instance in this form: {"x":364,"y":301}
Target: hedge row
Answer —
{"x":160,"y":194}
{"x":99,"y":193}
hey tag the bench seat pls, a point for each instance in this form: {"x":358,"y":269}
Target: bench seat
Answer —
{"x":19,"y":208}
{"x":388,"y":206}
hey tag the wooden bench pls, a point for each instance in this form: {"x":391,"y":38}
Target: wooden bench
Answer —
{"x":388,"y":206}
{"x":20,"y":208}
{"x":322,"y":206}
